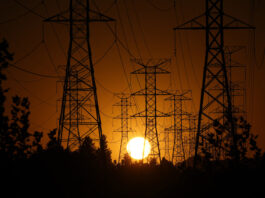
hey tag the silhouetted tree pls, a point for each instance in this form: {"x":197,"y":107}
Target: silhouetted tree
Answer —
{"x":166,"y":163}
{"x":37,"y":141}
{"x":104,"y":153}
{"x":87,"y":148}
{"x":126,"y":160}
{"x":5,"y":57}
{"x":222,"y":142}
{"x":19,"y":128}
{"x":16,"y":142}
{"x":153,"y":162}
{"x":52,"y":143}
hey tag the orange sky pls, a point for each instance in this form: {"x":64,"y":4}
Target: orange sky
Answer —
{"x":148,"y":32}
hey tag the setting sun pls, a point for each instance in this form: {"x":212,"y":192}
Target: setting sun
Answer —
{"x":135,"y":148}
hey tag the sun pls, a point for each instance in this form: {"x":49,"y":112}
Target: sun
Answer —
{"x":135,"y":148}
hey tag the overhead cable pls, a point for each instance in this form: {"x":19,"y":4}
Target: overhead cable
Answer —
{"x":30,"y":72}
{"x":29,"y":9}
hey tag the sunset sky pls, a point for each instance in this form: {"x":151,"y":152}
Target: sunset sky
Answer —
{"x":145,"y":28}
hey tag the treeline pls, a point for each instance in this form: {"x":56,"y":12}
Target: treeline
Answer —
{"x":31,"y":169}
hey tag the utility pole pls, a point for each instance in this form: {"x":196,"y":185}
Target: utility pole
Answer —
{"x":215,"y":92}
{"x":79,"y":116}
{"x":151,"y":68}
{"x":124,"y":118}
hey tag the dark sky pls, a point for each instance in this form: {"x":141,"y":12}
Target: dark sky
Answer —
{"x":146,"y":27}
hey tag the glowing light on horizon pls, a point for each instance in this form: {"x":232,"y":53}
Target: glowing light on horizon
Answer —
{"x":136,"y":146}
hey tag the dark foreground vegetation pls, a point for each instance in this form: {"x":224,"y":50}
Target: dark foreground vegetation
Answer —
{"x":31,"y":169}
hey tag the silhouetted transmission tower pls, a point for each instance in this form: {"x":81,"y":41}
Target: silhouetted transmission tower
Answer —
{"x":79,"y":115}
{"x":124,"y":118}
{"x":180,"y":125}
{"x":237,"y":81}
{"x":215,"y":94}
{"x":151,"y":68}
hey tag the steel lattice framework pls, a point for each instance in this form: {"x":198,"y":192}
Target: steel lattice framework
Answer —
{"x":151,"y":68}
{"x":124,"y":118}
{"x":79,"y":116}
{"x":215,"y":94}
{"x":182,"y":127}
{"x":237,"y":81}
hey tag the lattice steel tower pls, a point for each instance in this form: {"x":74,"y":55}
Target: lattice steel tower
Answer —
{"x":215,"y":94}
{"x":181,"y":124}
{"x":79,"y":115}
{"x":124,"y":118}
{"x":237,"y":77}
{"x":151,"y":68}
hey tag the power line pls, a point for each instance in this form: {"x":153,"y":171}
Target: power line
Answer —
{"x":183,"y":57}
{"x":132,"y":30}
{"x":20,"y":15}
{"x":50,"y":58}
{"x":55,"y":33}
{"x":175,"y":51}
{"x":106,"y":52}
{"x":122,"y":26}
{"x":35,"y":48}
{"x":36,"y":125}
{"x":38,"y":45}
{"x":106,"y":115}
{"x":96,"y":62}
{"x":127,"y":80}
{"x":130,"y":54}
{"x":111,"y":6}
{"x":29,"y":9}
{"x":185,"y":69}
{"x":121,"y":43}
{"x":126,"y":41}
{"x":188,"y":46}
{"x":253,"y":60}
{"x":32,"y":73}
{"x":151,"y":3}
{"x":32,"y":80}
{"x":141,"y":29}
{"x":106,"y":89}
{"x":31,"y":93}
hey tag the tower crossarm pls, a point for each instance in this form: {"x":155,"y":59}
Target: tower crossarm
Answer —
{"x":198,"y":23}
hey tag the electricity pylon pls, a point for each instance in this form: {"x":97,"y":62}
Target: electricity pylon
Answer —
{"x":181,"y":125}
{"x":215,"y":92}
{"x":124,"y":118}
{"x":151,"y":68}
{"x":79,"y":116}
{"x":237,"y":77}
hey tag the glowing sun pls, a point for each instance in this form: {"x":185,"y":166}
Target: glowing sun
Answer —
{"x":136,"y":146}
